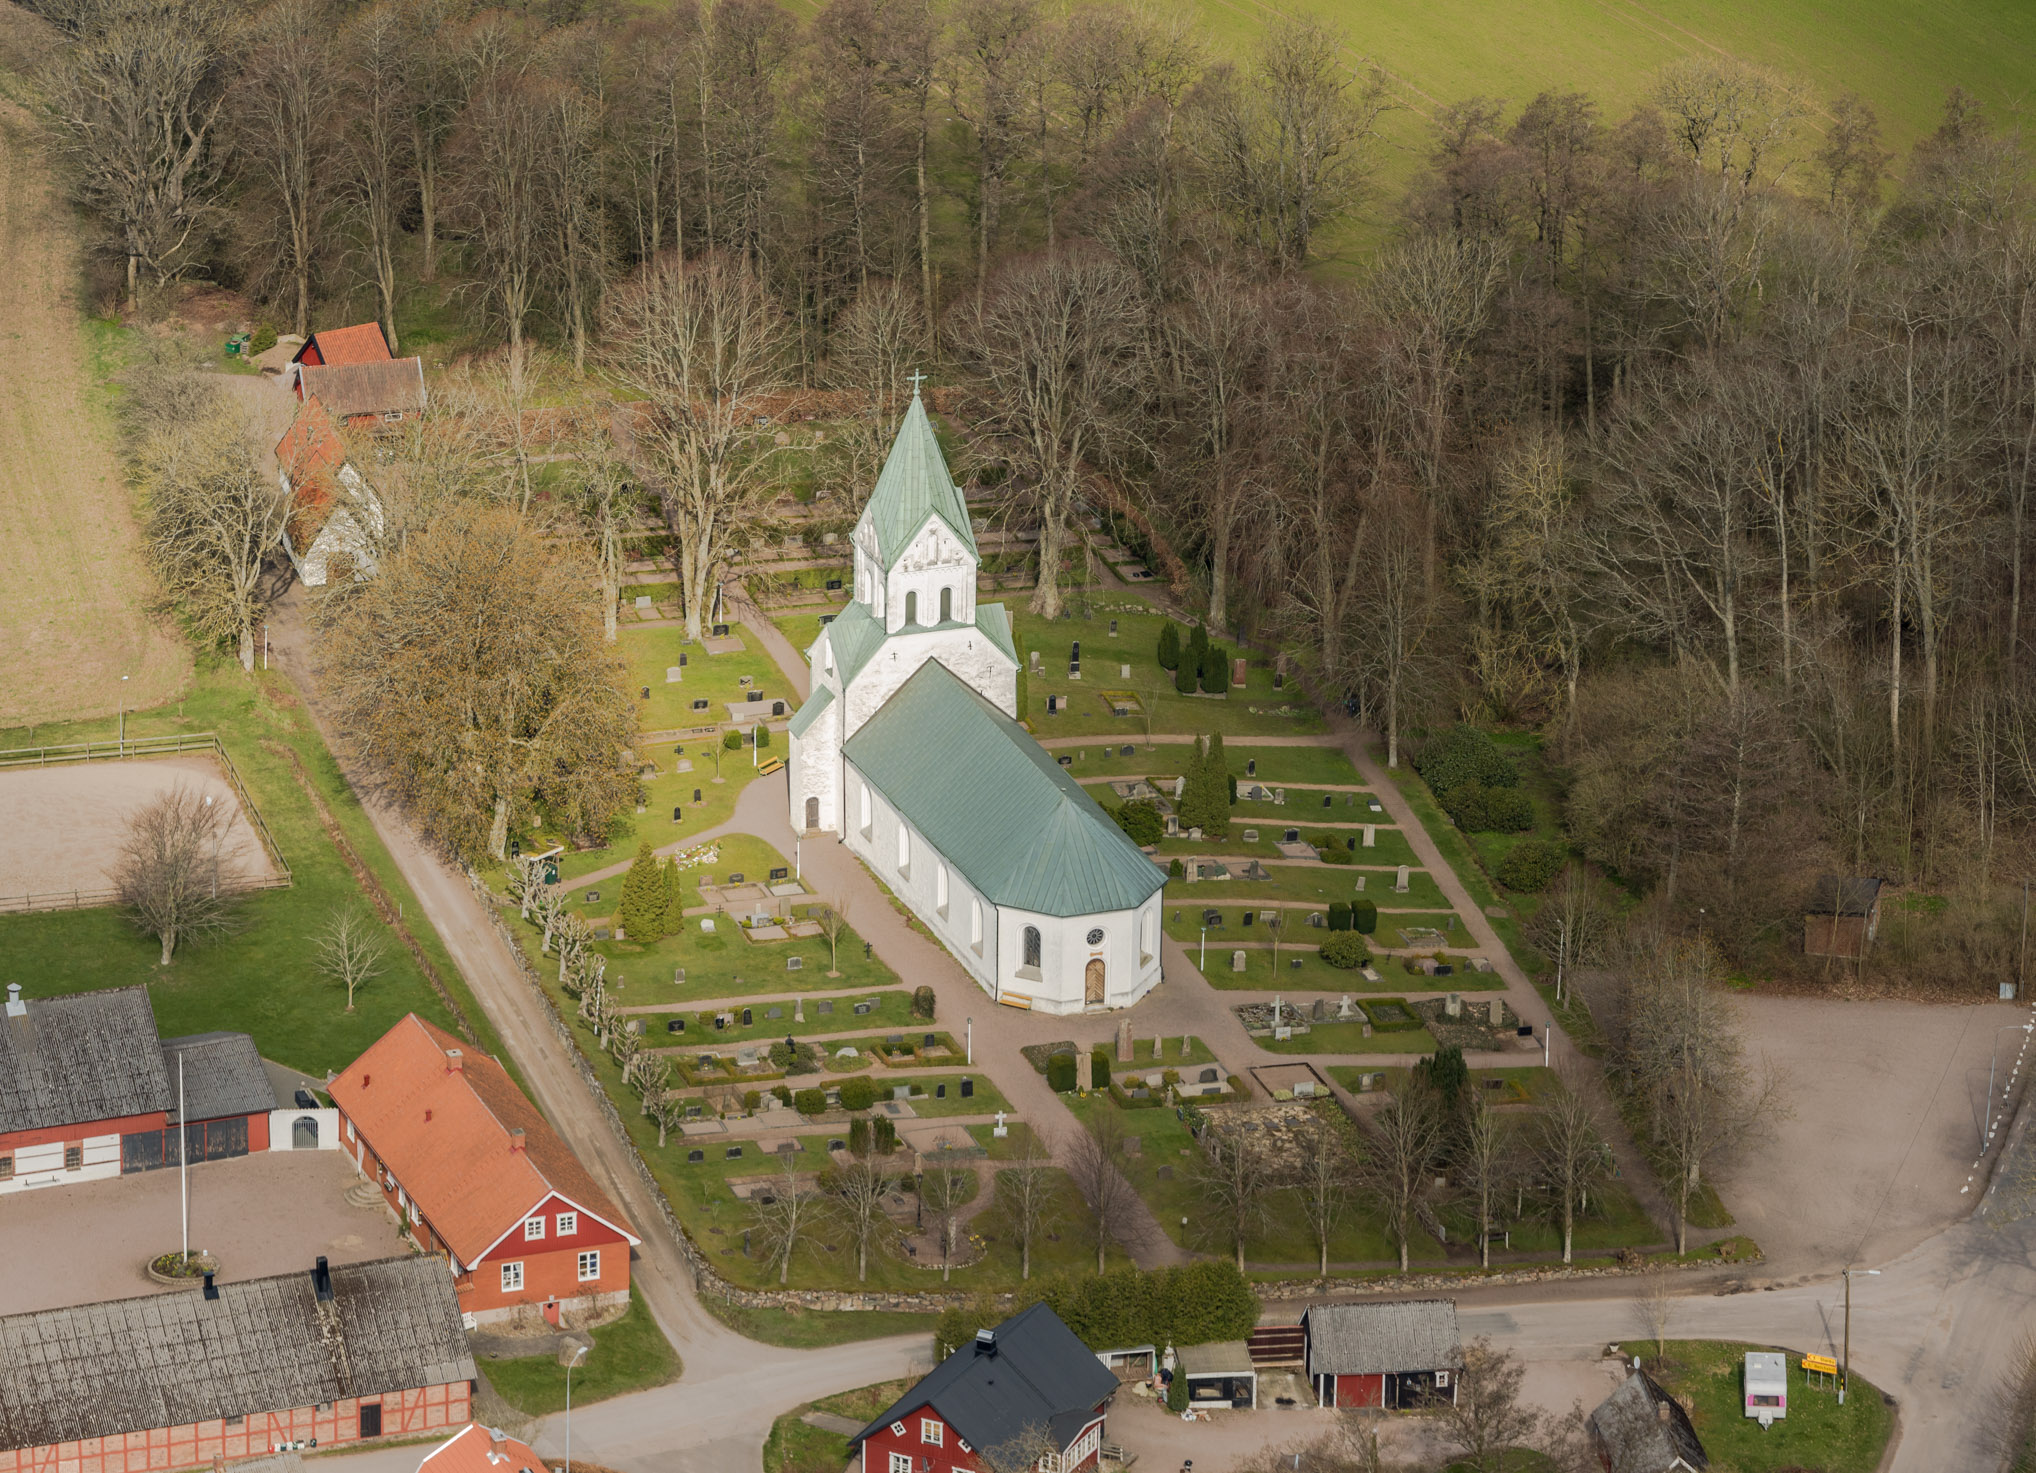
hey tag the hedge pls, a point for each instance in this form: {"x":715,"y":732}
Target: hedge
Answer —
{"x":1185,"y":1304}
{"x":1374,"y":1013}
{"x":1099,"y":1069}
{"x":810,"y":1101}
{"x":1339,"y":915}
{"x":922,"y":1003}
{"x":1060,"y":1073}
{"x":1461,"y":755}
{"x":1364,"y":916}
{"x":1141,"y":820}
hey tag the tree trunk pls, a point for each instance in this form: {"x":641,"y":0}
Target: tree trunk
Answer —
{"x":168,"y":938}
{"x":427,"y":209}
{"x":498,"y":829}
{"x":1219,"y":563}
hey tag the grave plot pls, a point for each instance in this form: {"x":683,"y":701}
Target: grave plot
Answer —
{"x":1480,"y":1025}
{"x":1366,"y":1025}
{"x":680,"y":676}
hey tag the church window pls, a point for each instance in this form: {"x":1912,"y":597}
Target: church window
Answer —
{"x":1031,"y":946}
{"x":904,"y":850}
{"x":865,"y":810}
{"x":947,"y":605}
{"x":911,"y":608}
{"x":940,"y":889}
{"x":976,"y":924}
{"x":1145,"y":934}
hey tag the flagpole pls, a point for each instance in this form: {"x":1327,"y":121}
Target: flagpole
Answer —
{"x":183,"y":1160}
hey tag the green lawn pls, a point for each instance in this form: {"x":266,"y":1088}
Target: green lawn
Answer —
{"x":1304,"y":806}
{"x":1313,"y":974}
{"x":661,"y":794}
{"x":716,"y":679}
{"x":1277,"y":766}
{"x":1456,"y":853}
{"x":1174,"y":1200}
{"x":1316,"y":882}
{"x":1817,"y":1433}
{"x":893,"y":1011}
{"x":258,"y":980}
{"x":801,"y":628}
{"x":805,"y":1329}
{"x":1184,"y":922}
{"x":1348,"y":1038}
{"x":1136,"y":644}
{"x":630,"y":1355}
{"x":794,"y":1447}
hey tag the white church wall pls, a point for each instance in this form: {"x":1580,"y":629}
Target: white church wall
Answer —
{"x":919,"y":883}
{"x":815,"y":765}
{"x":972,"y":656}
{"x":936,"y":560}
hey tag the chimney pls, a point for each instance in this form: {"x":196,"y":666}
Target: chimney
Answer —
{"x":986,"y":1342}
{"x":455,"y":1061}
{"x":211,"y":1289}
{"x":1661,"y":1412}
{"x":16,"y":1008}
{"x":498,"y":1445}
{"x":516,"y":1139}
{"x":321,"y":1281}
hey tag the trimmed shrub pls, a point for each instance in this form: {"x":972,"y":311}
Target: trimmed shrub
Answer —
{"x":1463,"y":754}
{"x":1345,"y":949}
{"x":674,"y":920}
{"x":858,"y":1093}
{"x":1233,"y":786}
{"x":751,"y":1099}
{"x":1530,"y":866}
{"x":1175,"y":870}
{"x":641,"y":911}
{"x":783,"y":1093}
{"x":1446,"y":1073}
{"x":1099,"y":1068}
{"x":1332,"y":852}
{"x":1508,"y":811}
{"x":763,"y":737}
{"x":1196,"y":647}
{"x":859,"y":1137}
{"x":731,"y":740}
{"x":1060,"y":1073}
{"x":1169,"y":646}
{"x":1364,"y":916}
{"x":1140,"y":818}
{"x":1177,"y":1392}
{"x":1185,"y":677}
{"x":810,"y":1101}
{"x":883,"y":1134}
{"x":1339,"y":915}
{"x":922,"y":1003}
{"x":264,"y":338}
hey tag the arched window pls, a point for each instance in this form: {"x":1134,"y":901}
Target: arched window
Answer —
{"x":865,"y":810}
{"x":904,"y":848}
{"x":1031,"y":946}
{"x":911,"y":608}
{"x":940,"y":889}
{"x":947,"y":605}
{"x":975,"y":923}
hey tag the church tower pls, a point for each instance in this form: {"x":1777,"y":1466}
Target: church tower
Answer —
{"x":914,"y":600}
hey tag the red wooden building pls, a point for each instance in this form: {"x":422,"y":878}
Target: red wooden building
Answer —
{"x":87,"y":1090}
{"x":1026,"y":1393}
{"x":1384,"y":1356}
{"x":465,"y":1159}
{"x":320,"y":1358}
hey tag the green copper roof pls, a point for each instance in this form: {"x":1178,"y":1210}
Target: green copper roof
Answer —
{"x":913,"y":486}
{"x":857,"y":635}
{"x":996,"y":804}
{"x":809,"y":713}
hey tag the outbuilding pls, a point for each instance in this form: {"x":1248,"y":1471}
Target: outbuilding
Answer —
{"x":1640,"y":1428}
{"x":1220,"y":1374}
{"x":1842,"y":916}
{"x":1384,"y":1356}
{"x":1767,"y":1386}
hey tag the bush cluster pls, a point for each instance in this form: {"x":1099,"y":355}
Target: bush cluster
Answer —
{"x":858,"y":1093}
{"x":1345,"y":949}
{"x":922,"y":1003}
{"x":1461,"y":755}
{"x":1530,"y":866}
{"x":810,"y":1101}
{"x":1140,"y":818}
{"x":653,"y":905}
{"x":1186,"y":1304}
{"x":1479,"y":809}
{"x":1060,"y":1073}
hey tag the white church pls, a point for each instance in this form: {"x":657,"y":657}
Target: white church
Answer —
{"x":908,"y":749}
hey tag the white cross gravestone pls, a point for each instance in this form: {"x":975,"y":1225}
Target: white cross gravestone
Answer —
{"x":1400,"y":885}
{"x":1371,"y":835}
{"x":1001,"y":1130}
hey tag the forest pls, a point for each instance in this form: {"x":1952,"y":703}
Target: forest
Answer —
{"x":1697,"y":440}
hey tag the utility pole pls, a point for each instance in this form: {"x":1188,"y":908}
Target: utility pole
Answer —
{"x":183,"y":1160}
{"x":1845,"y":1359}
{"x":2022,"y":966}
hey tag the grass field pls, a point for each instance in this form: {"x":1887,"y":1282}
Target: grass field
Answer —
{"x":259,"y":980}
{"x":804,"y":1329}
{"x":75,"y":622}
{"x":1817,"y":1433}
{"x":1316,"y":883}
{"x":715,"y":679}
{"x":629,"y":1355}
{"x":794,"y":1447}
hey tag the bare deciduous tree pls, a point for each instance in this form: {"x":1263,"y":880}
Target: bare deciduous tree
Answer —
{"x":1488,"y":1166}
{"x":1571,"y":1153}
{"x":284,"y":124}
{"x":1095,"y":1164}
{"x":167,"y":876}
{"x":352,"y":949}
{"x":1322,"y":1179}
{"x":1025,"y":1191}
{"x":945,"y":1182}
{"x":784,"y":1214}
{"x":858,"y":1186}
{"x":1236,"y":1176}
{"x":1406,"y":1135}
{"x":1493,"y":1429}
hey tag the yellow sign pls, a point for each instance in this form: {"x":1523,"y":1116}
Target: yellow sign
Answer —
{"x":1827,"y":1364}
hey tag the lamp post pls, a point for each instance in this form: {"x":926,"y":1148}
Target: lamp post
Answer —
{"x":215,"y":849}
{"x":123,"y":715}
{"x":1993,"y":1045}
{"x":1205,"y":950}
{"x":1845,"y":1362}
{"x":578,"y":1352}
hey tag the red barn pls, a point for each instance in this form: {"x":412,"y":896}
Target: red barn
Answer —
{"x":1384,"y":1357}
{"x":1026,"y":1393}
{"x":361,"y":343}
{"x":324,"y":1358}
{"x":472,"y":1168}
{"x":87,"y":1090}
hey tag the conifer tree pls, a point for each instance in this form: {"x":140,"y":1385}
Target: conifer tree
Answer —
{"x":642,"y":903}
{"x":1169,"y":646}
{"x":1217,"y":824}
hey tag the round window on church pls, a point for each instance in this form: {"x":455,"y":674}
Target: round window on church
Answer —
{"x":1096,"y":937}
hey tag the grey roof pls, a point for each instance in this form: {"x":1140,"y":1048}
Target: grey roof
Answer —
{"x":1218,"y":1358}
{"x":857,"y":635}
{"x":264,"y":1345}
{"x":79,"y":1058}
{"x":1628,"y":1426}
{"x":1040,"y":1379}
{"x":392,"y":387}
{"x":1382,"y":1339}
{"x":996,"y":804}
{"x":223,"y":1076}
{"x":913,"y":486}
{"x":1849,"y":895}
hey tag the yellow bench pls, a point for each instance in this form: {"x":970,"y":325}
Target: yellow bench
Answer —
{"x":776,"y":764}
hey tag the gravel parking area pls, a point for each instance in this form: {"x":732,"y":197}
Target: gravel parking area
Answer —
{"x":1886,"y":1100}
{"x":260,"y":1215}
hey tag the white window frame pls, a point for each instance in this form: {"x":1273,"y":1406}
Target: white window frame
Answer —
{"x":351,"y":1133}
{"x":904,"y":850}
{"x":976,"y":924}
{"x":568,"y":1224}
{"x":931,"y":1432}
{"x":901,"y":1463}
{"x":512,"y":1277}
{"x":533,"y":1228}
{"x":940,"y":888}
{"x":590,"y":1265}
{"x":868,"y":808}
{"x":1441,"y":1379}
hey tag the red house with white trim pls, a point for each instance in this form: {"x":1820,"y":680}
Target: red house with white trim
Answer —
{"x":1026,"y":1393}
{"x":475,"y":1174}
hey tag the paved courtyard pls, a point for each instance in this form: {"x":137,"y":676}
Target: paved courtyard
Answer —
{"x":260,"y":1215}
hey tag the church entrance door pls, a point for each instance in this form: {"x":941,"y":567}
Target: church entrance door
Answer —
{"x":812,"y":814}
{"x":1092,"y":982}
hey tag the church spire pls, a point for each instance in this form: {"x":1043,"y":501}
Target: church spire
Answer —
{"x":914,"y":485}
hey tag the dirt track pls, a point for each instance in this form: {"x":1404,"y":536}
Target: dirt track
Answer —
{"x":75,"y":619}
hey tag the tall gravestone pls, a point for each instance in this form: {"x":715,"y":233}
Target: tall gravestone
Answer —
{"x":1085,"y":1070}
{"x":1400,"y":885}
{"x":1124,"y":1041}
{"x":1498,"y":1013}
{"x":1371,"y":836}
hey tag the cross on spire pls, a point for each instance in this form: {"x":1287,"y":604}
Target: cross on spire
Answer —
{"x":917,"y":379}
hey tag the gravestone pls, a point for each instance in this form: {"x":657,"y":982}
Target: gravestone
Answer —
{"x":968,"y":1088}
{"x":824,"y":1008}
{"x":700,"y":705}
{"x":1371,"y":836}
{"x":1282,"y":1034}
{"x":1126,"y":750}
{"x":780,"y":872}
{"x":1000,"y":1130}
{"x":1250,"y":835}
{"x":678,"y":813}
{"x":734,"y":1153}
{"x":1498,"y":1011}
{"x":1236,"y":961}
{"x":675,"y":1025}
{"x":1074,"y":670}
{"x":592,"y":896}
{"x":896,"y":1040}
{"x":694,"y":1158}
{"x":834,"y":585}
{"x":1320,"y":1012}
{"x":1452,"y":1006}
{"x":747,"y":1019}
{"x":1367,"y":1030}
{"x":774,"y":1014}
{"x":696,"y":795}
{"x":1315,"y":919}
{"x":754,"y":695}
{"x":1035,"y":662}
{"x":1124,"y":1041}
{"x":1328,"y":800}
{"x":1344,"y":1008}
{"x":1250,"y":916}
{"x":837,"y":1144}
{"x":1085,"y":1069}
{"x":1113,"y":629}
{"x":721,"y":631}
{"x":1400,"y":886}
{"x":674,"y":674}
{"x":940,"y":1091}
{"x":799,"y":1010}
{"x":1360,"y":882}
{"x":1239,"y":672}
{"x":794,"y":963}
{"x":777,"y":708}
{"x":901,"y":1091}
{"x":1065,"y":760}
{"x":642,"y":603}
{"x":1212,"y":917}
{"x":1053,"y":709}
{"x":1251,"y":767}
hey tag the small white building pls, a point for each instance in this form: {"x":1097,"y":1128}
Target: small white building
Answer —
{"x":1767,"y":1386}
{"x":909,"y":750}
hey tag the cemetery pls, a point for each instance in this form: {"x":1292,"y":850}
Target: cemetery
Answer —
{"x":720,"y":672}
{"x":1319,"y":883}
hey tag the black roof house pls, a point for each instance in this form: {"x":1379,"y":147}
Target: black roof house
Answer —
{"x":1029,"y":1375}
{"x":1844,"y":895}
{"x":1640,"y":1428}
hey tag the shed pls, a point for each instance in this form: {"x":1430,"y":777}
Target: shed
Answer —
{"x":1841,"y":916}
{"x":1640,"y":1428}
{"x":1386,"y":1356}
{"x":1220,"y":1374}
{"x":1767,"y":1386}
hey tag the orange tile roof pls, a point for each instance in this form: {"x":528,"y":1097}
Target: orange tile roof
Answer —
{"x":446,"y":1135}
{"x":311,"y":454}
{"x":478,"y":1449}
{"x":361,"y":343}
